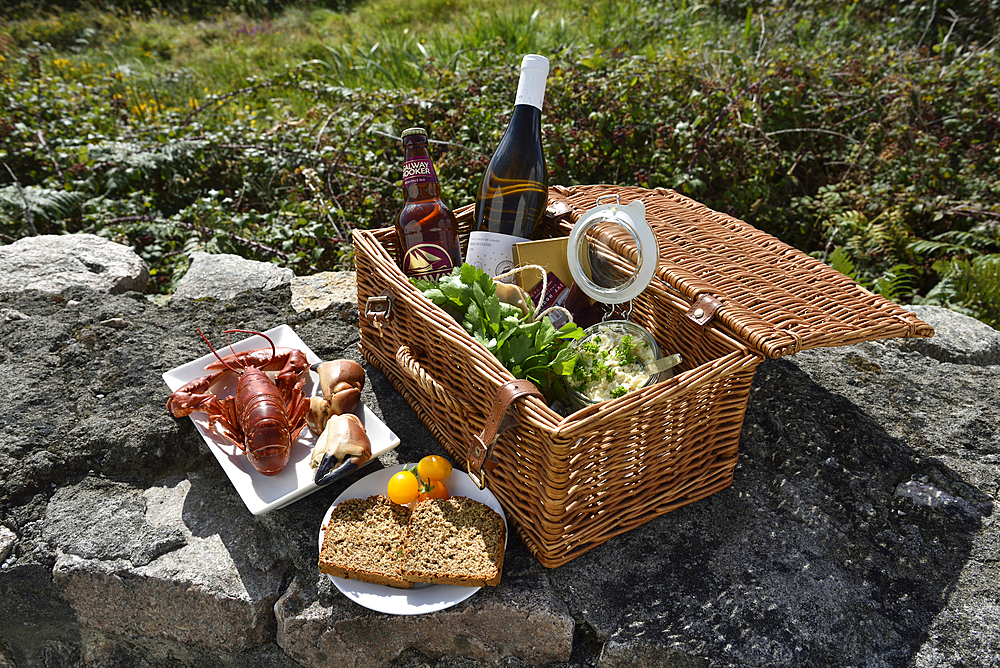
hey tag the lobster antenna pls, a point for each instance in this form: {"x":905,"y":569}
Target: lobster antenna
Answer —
{"x":229,"y":343}
{"x":215,"y":353}
{"x":274,"y":351}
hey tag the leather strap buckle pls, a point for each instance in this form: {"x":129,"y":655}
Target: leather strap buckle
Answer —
{"x":479,"y":477}
{"x":379,"y":308}
{"x":479,"y":460}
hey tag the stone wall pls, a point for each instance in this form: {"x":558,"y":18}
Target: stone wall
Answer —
{"x":860,"y":529}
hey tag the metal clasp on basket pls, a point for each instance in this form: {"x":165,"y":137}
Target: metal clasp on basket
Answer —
{"x":379,"y":310}
{"x":616,"y":196}
{"x":478,"y":452}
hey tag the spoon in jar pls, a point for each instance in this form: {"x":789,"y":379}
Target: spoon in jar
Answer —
{"x":662,"y":364}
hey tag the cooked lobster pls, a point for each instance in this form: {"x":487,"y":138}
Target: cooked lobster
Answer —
{"x":264,"y":417}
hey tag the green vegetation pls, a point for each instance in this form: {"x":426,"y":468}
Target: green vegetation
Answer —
{"x":866,"y":133}
{"x":595,"y":363}
{"x":527,"y":344}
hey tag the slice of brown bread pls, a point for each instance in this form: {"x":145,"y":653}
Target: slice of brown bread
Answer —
{"x":454,"y":541}
{"x":364,"y":540}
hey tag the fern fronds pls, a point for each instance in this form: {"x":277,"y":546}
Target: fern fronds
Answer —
{"x":841,"y":260}
{"x":971,"y":287}
{"x":959,"y":242}
{"x":897,"y":283}
{"x":46,"y":204}
{"x":927,"y":246}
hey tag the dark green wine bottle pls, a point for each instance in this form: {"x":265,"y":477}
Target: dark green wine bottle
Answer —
{"x":514,"y":190}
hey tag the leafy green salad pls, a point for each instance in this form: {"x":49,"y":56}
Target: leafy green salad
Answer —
{"x":528,"y":347}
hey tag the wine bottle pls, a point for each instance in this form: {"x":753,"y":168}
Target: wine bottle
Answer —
{"x":426,"y":227}
{"x":514,"y":191}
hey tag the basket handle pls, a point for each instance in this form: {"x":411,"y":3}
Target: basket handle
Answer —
{"x":480,"y":454}
{"x":409,"y":364}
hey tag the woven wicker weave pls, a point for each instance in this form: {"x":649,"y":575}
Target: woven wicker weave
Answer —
{"x":573,"y":483}
{"x":776,"y":298}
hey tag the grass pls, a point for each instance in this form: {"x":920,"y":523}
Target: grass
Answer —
{"x":380,"y":43}
{"x":864,"y":133}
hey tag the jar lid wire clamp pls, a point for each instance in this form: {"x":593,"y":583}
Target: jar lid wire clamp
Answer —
{"x":598,"y":254}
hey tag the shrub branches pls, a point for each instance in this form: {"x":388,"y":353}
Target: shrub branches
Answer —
{"x":844,"y":134}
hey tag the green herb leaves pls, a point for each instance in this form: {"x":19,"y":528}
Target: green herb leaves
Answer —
{"x":531,"y":349}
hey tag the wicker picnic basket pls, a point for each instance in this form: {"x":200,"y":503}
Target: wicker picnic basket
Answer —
{"x":724,"y":296}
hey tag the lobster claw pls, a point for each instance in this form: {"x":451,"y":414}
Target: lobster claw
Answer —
{"x":331,"y":469}
{"x":339,"y":375}
{"x":344,"y":400}
{"x":318,"y":414}
{"x":340,"y":382}
{"x":343,"y":447}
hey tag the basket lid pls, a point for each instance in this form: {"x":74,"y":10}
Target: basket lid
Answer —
{"x":773,"y":296}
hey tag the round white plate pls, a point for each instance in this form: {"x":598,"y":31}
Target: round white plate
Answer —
{"x":421,"y":598}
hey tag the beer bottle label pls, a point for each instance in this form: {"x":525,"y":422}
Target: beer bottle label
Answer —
{"x":427,"y":261}
{"x":418,"y":170}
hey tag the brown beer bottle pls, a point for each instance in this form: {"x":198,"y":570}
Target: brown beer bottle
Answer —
{"x":427,"y":229}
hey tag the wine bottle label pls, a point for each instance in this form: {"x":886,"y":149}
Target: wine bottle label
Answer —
{"x":427,"y":261}
{"x":418,"y":170}
{"x":492,"y":252}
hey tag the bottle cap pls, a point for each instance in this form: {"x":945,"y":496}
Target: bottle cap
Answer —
{"x":413,"y":131}
{"x":612,"y":252}
{"x":531,"y":83}
{"x":535,"y":62}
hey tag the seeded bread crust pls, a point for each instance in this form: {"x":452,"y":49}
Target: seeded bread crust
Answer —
{"x":364,"y":539}
{"x":456,"y":541}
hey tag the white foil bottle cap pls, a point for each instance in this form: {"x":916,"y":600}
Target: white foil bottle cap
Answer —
{"x":531,"y":84}
{"x":536,"y":62}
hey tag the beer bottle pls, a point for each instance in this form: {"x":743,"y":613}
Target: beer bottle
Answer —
{"x":427,"y":229}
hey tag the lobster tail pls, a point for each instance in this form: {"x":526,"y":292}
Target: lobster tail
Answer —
{"x":266,"y":432}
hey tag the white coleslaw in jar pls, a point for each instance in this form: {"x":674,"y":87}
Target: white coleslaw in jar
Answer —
{"x":611,"y":361}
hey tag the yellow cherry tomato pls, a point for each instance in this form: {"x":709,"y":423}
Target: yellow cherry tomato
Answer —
{"x":403,"y":488}
{"x":433,"y":489}
{"x":433,"y":467}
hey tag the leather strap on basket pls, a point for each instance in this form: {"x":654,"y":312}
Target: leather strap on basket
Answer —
{"x":703,"y":310}
{"x":480,"y":455}
{"x":558,"y":209}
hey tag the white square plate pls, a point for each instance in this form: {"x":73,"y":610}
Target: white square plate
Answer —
{"x":259,"y":492}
